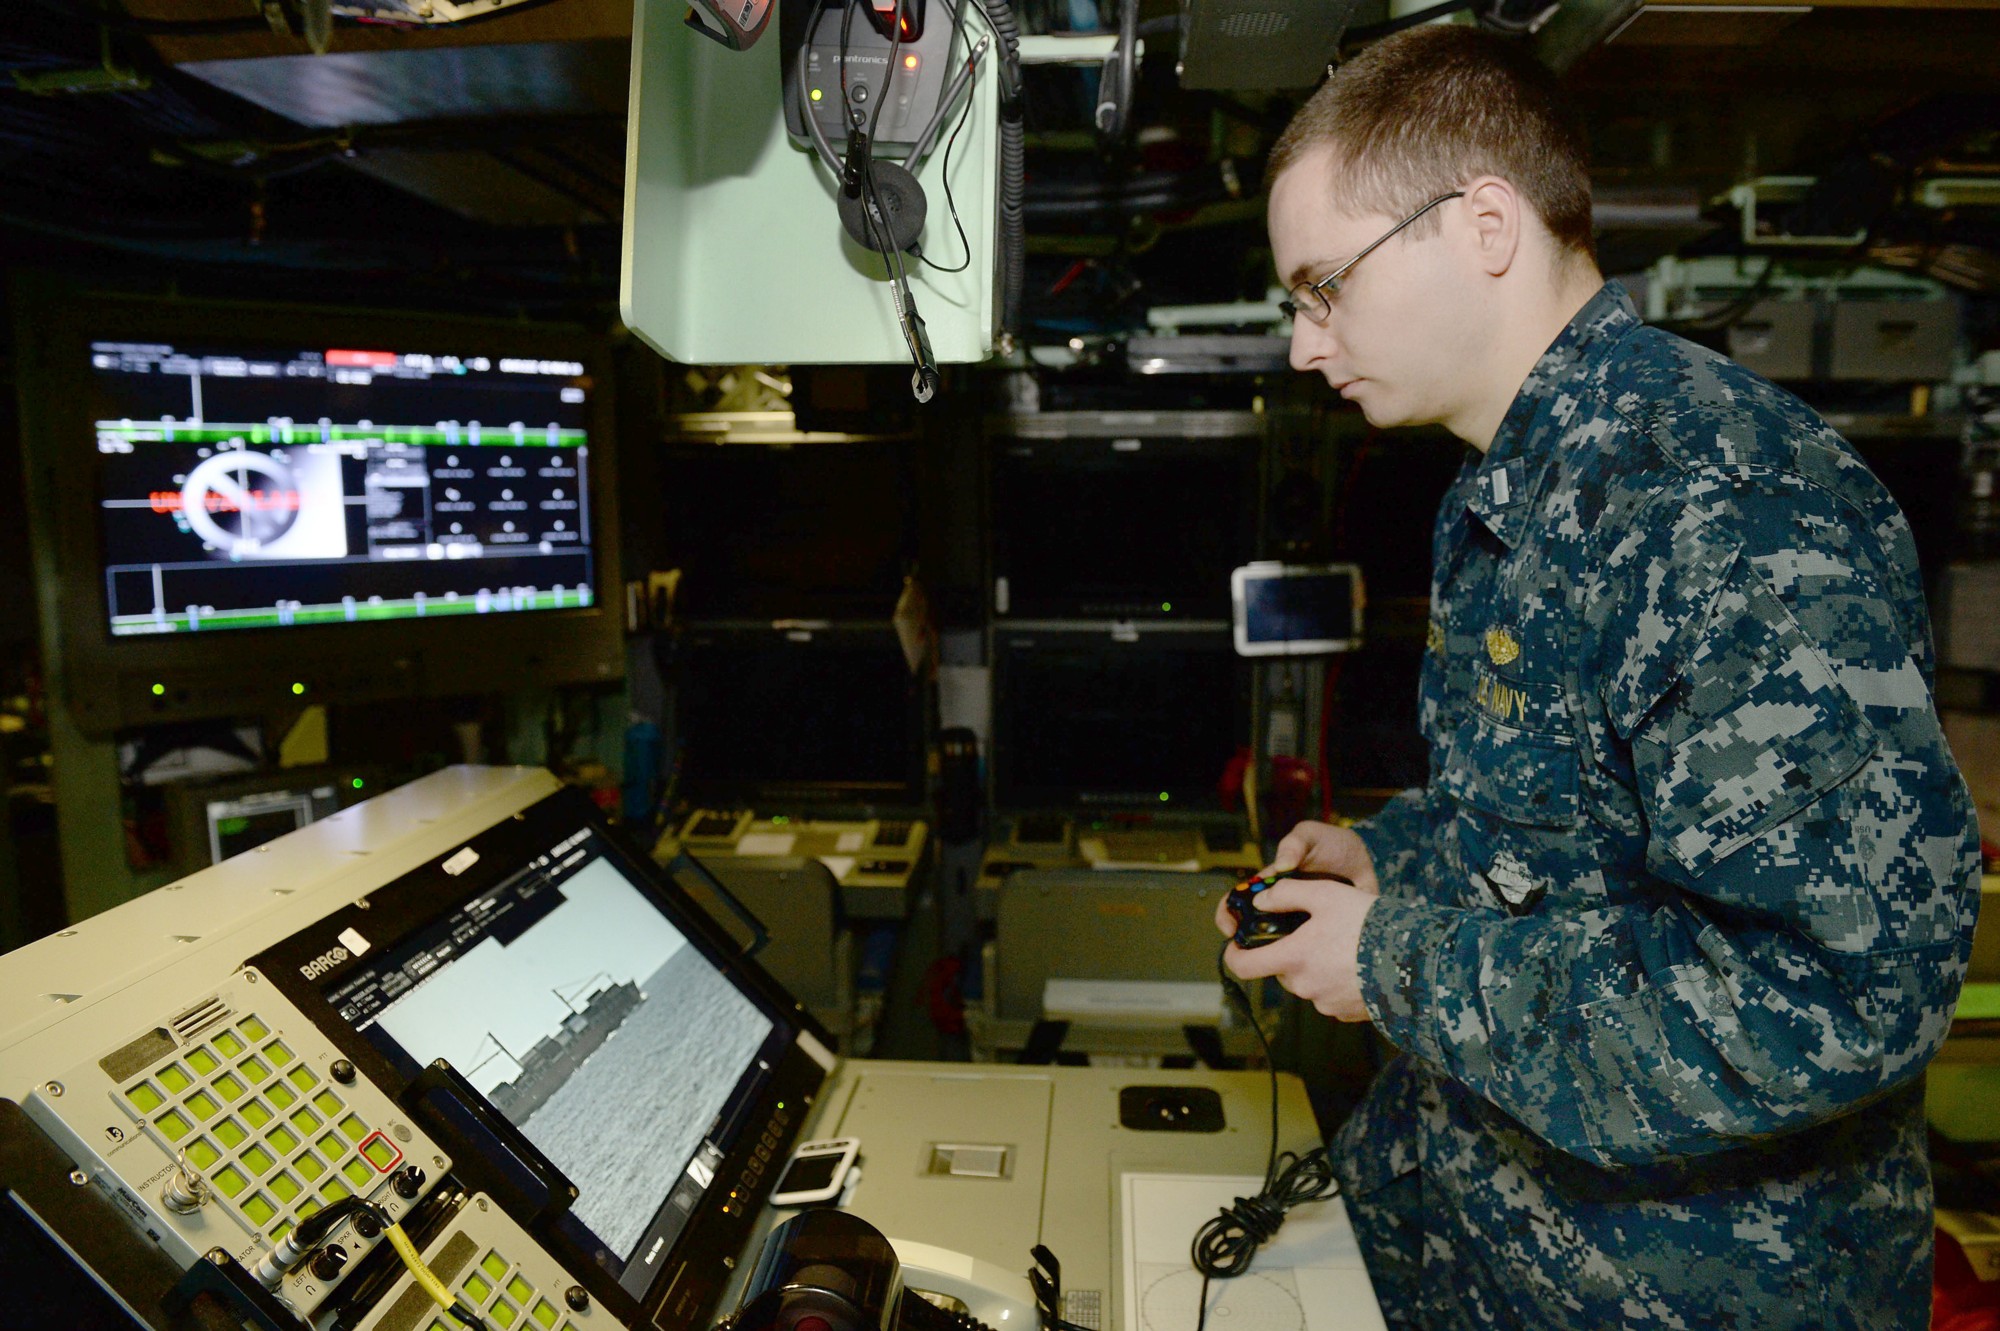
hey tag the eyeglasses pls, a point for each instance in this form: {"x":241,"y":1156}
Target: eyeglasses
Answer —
{"x":1310,"y":298}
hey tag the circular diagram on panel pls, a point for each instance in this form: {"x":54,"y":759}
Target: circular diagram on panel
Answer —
{"x":1249,"y":1302}
{"x":231,"y":512}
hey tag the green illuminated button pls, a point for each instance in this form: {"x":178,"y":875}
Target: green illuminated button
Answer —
{"x":285,"y":1187}
{"x":331,"y":1147}
{"x":310,"y":1165}
{"x":279,"y":1230}
{"x":257,"y":1160}
{"x":202,"y":1062}
{"x":175,"y":1078}
{"x":201,"y":1153}
{"x":229,"y":1180}
{"x":328,"y":1103}
{"x":437,"y":1324}
{"x":260,"y":1210}
{"x":302,"y":1078}
{"x":173,"y":1125}
{"x":477,"y":1289}
{"x":305,"y":1120}
{"x":229,"y":1088}
{"x":281,"y":1139}
{"x":255,"y":1114}
{"x":495,"y":1265}
{"x":281,"y":1095}
{"x":380,"y":1154}
{"x":145,"y":1097}
{"x":254,"y":1029}
{"x":203,"y":1106}
{"x":256,"y":1069}
{"x":545,"y":1313}
{"x":277,"y":1053}
{"x":228,"y":1044}
{"x":354,"y":1128}
{"x":520,"y":1289}
{"x":358,"y":1173}
{"x":334,"y":1190}
{"x":308,"y":1207}
{"x":230,"y":1133}
{"x":505,"y":1313}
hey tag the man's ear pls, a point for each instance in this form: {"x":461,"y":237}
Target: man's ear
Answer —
{"x":1497,"y":211}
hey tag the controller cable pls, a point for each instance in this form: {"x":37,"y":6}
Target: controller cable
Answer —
{"x":370,"y":1220}
{"x":1225,"y":1245}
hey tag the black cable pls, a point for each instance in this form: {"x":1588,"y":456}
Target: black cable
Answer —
{"x":949,"y":201}
{"x":1225,"y":1245}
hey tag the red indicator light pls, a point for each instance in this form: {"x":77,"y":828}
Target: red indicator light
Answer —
{"x":374,"y":360}
{"x":909,"y":62}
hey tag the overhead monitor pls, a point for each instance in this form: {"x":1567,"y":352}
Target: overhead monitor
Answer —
{"x":1146,"y":526}
{"x":598,"y":1028}
{"x":833,"y":529}
{"x":823,"y":716}
{"x":1085,"y":718}
{"x":249,"y":505}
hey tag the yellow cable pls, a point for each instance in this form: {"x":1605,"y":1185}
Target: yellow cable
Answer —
{"x":418,"y":1271}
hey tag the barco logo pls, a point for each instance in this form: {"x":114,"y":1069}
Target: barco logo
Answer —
{"x":325,"y":962}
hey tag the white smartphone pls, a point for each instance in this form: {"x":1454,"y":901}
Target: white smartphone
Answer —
{"x":817,"y":1172}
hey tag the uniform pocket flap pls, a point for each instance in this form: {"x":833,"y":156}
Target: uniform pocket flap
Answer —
{"x":1519,"y":775}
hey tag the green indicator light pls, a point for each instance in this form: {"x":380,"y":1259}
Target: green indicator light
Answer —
{"x":1166,"y":607}
{"x":159,"y":690}
{"x":298,"y":688}
{"x":358,"y":783}
{"x":1163,"y":797}
{"x":816,"y":94}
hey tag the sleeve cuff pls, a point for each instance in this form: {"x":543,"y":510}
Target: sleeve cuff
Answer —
{"x":1401,"y":941}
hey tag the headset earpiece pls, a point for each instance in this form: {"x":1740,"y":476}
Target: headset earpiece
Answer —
{"x":902,"y":203}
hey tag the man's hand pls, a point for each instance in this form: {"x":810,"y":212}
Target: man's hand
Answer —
{"x":1319,"y":960}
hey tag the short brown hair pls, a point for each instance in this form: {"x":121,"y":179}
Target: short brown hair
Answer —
{"x":1420,"y":113}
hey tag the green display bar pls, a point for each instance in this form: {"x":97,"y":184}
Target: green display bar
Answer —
{"x":158,"y":432}
{"x":431,"y":608}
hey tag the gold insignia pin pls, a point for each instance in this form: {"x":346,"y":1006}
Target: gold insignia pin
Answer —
{"x":1434,"y":640}
{"x":1501,"y":649}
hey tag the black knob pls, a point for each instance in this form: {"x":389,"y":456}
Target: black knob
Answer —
{"x":577,"y":1297}
{"x":329,"y":1262}
{"x":366,"y":1225}
{"x":408,"y":1182}
{"x":342,"y":1071}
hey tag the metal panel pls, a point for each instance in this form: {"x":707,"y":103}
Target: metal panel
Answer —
{"x":733,"y":251}
{"x":1905,"y":340}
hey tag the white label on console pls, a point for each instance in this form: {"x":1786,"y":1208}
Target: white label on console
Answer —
{"x":462,"y":861}
{"x":352,"y":940}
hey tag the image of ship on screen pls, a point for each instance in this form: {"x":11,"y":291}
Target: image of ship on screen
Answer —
{"x":624,"y":1125}
{"x":546,"y":1066}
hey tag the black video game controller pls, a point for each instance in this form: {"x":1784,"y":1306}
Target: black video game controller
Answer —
{"x":1254,"y":927}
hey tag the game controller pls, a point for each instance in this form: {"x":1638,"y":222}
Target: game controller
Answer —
{"x":1254,"y":927}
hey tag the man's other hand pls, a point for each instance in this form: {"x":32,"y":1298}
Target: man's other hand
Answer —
{"x":1317,"y":961}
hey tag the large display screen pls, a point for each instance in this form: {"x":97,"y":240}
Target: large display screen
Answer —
{"x":835,"y":529}
{"x":836,"y":715}
{"x":245,"y":487}
{"x":1127,"y":529}
{"x":1082,"y":719}
{"x":569,"y":1000}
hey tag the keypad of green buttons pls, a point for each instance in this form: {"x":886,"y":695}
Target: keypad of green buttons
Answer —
{"x":507,"y":1297}
{"x":240,"y":1106}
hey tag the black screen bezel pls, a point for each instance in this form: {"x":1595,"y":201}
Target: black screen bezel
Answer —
{"x":694,"y":1266}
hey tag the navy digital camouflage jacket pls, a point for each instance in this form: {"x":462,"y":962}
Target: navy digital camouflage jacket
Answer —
{"x":1683,"y":910}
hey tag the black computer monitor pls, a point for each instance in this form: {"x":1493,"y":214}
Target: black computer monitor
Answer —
{"x":821,"y":531}
{"x":601,"y":1033}
{"x":249,"y":506}
{"x":1141,"y":527}
{"x":827,"y":716}
{"x":1087,"y":718}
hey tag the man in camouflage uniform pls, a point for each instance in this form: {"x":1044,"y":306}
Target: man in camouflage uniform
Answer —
{"x":1684,"y":907}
